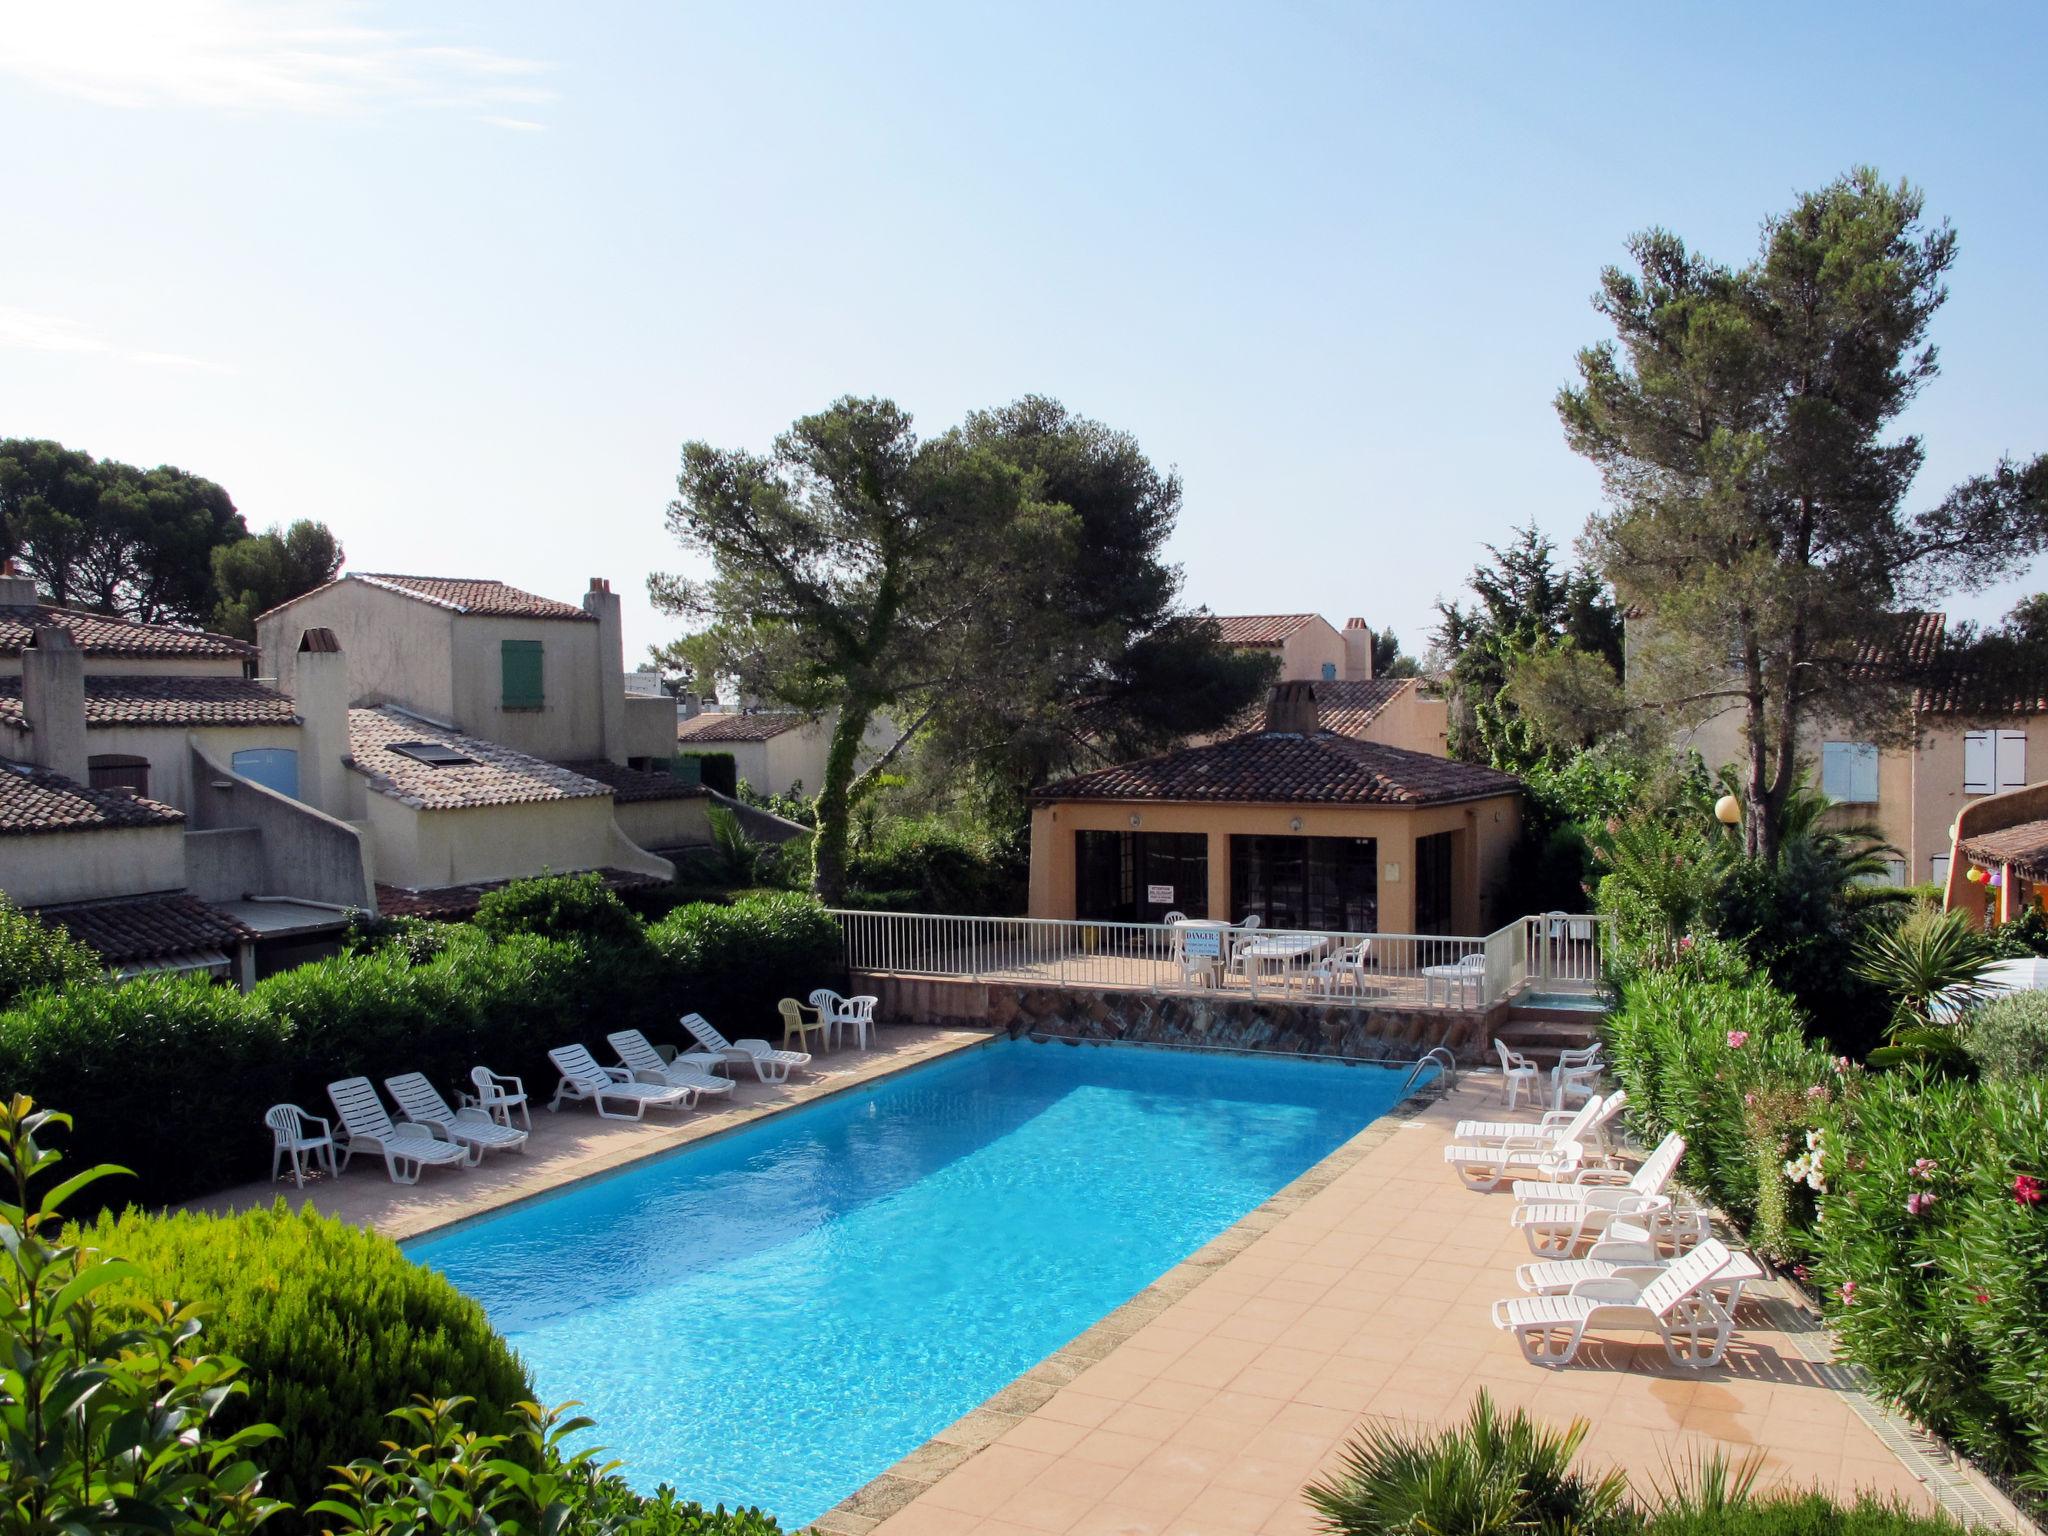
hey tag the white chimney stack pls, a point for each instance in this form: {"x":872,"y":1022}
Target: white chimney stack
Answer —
{"x":53,"y":701}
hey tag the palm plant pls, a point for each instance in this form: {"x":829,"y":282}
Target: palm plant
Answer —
{"x":1493,"y":1475}
{"x":1931,"y":964}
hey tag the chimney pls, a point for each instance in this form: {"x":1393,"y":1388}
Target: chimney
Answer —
{"x":16,"y":590}
{"x":53,"y":701}
{"x":602,"y":604}
{"x":1291,"y":708}
{"x":320,"y":695}
{"x":1357,"y":652}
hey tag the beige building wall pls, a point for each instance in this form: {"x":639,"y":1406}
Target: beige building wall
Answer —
{"x":1489,"y":828}
{"x":666,"y":823}
{"x":650,"y":727}
{"x":1305,"y":653}
{"x":567,"y":725}
{"x":86,"y":866}
{"x":145,"y":666}
{"x":423,"y":849}
{"x":170,"y":761}
{"x":399,"y":650}
{"x":1413,"y":722}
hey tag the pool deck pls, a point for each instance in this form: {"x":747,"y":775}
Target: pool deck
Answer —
{"x":575,"y":1144}
{"x":1361,"y":1292}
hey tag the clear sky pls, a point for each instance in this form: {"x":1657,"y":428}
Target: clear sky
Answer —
{"x":459,"y":279}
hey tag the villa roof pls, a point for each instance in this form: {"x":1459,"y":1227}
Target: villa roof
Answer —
{"x":147,"y":927}
{"x":99,"y":634}
{"x":179,"y":701}
{"x":473,"y":596}
{"x":632,"y":786}
{"x":2023,"y":846}
{"x":1346,"y":708}
{"x":1282,"y":767}
{"x":35,"y":800}
{"x":493,"y":774}
{"x":1260,"y":628}
{"x":754,"y":725}
{"x":455,"y":902}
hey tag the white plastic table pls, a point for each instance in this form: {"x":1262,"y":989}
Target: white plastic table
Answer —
{"x":1286,"y":950}
{"x":1459,"y":976}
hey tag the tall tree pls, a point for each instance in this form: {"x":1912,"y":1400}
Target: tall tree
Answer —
{"x":1525,"y":606}
{"x":253,"y":575}
{"x":1739,"y":422}
{"x":1388,"y":659}
{"x":107,"y":536}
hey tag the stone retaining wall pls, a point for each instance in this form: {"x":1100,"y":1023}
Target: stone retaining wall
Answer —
{"x":1194,"y":1018}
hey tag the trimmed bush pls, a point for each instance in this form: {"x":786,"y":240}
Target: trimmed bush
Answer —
{"x":731,"y":963}
{"x":717,"y":770}
{"x":35,"y":954}
{"x":1804,"y":1514}
{"x":930,"y":866}
{"x":171,"y":1075}
{"x":332,"y":1323}
{"x":2008,"y":1036}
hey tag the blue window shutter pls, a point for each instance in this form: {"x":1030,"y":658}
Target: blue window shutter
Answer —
{"x":522,"y":674}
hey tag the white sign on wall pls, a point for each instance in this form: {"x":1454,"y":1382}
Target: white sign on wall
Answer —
{"x":1159,"y":895}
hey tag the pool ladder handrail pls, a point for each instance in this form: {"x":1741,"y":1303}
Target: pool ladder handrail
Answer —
{"x":1435,"y":1054}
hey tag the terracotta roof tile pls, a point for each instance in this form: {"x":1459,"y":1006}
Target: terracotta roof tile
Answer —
{"x":147,"y":927}
{"x":1260,"y":628}
{"x":34,"y":800}
{"x":1346,"y":708}
{"x":1282,"y":768}
{"x":183,"y":701}
{"x":475,"y":595}
{"x":96,"y":634}
{"x":2024,"y":846}
{"x":632,"y":785}
{"x":497,"y":775}
{"x":454,"y":902}
{"x":759,"y":725}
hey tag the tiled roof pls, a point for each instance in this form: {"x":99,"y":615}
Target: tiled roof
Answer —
{"x":1260,"y":628}
{"x":1346,"y":708}
{"x":147,"y":927}
{"x":1915,"y":641}
{"x":98,"y":635}
{"x":2024,"y":846}
{"x":1283,"y":768}
{"x":185,"y":701}
{"x":36,"y":800}
{"x":475,"y":595}
{"x":498,"y":776}
{"x":632,"y":785}
{"x":454,"y":902}
{"x":760,"y":725}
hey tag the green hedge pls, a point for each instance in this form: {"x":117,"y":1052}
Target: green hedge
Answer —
{"x":333,"y":1323}
{"x":34,"y":954}
{"x":732,"y":963}
{"x":2008,"y":1036}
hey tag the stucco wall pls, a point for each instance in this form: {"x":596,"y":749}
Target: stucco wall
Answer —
{"x":84,"y":866}
{"x":1491,"y":826}
{"x":399,"y":650}
{"x":146,"y":666}
{"x":501,"y":842}
{"x":666,"y":823}
{"x":568,"y":723}
{"x":1305,"y":652}
{"x":305,"y":852}
{"x":1414,"y":723}
{"x":170,"y":760}
{"x":650,"y":726}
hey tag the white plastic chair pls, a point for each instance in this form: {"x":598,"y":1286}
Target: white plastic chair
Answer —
{"x":1516,"y":1073}
{"x":1348,"y":963}
{"x":843,"y":1013}
{"x":1577,"y":1072}
{"x":407,"y":1148}
{"x":469,"y":1127}
{"x":769,"y":1064}
{"x":498,"y":1095}
{"x":298,"y":1135}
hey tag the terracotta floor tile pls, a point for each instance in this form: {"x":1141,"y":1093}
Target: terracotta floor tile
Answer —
{"x":1112,"y":1449}
{"x":1164,"y":1494}
{"x":1039,"y":1433}
{"x":1045,"y":1509}
{"x":1150,"y":1423}
{"x":1087,"y":1479}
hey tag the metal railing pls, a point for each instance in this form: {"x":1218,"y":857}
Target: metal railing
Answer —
{"x":1422,"y":970}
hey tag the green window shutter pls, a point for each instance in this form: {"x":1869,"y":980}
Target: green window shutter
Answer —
{"x":521,"y":664}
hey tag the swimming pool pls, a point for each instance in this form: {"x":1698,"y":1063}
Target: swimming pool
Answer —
{"x":776,"y":1316}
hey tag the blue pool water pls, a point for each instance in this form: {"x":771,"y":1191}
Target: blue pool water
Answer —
{"x":776,"y":1316}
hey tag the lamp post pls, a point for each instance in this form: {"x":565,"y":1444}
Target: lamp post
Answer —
{"x":1728,"y":811}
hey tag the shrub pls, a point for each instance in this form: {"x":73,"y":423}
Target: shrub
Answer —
{"x":731,"y":963}
{"x":1495,"y":1473}
{"x":928,"y":866}
{"x":1802,"y":1514}
{"x":2007,"y":1037}
{"x":37,"y":954}
{"x":332,"y":1323}
{"x":717,"y":770}
{"x":173,"y":1075}
{"x":621,"y":964}
{"x":2023,"y":936}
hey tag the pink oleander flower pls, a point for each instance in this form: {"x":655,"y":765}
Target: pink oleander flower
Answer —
{"x":1983,"y":1297}
{"x":1842,"y":1065}
{"x":1737,"y":1039}
{"x":1919,"y":1201}
{"x":2029,"y":1190}
{"x":1817,"y":1091}
{"x":1925,"y":1168}
{"x":1749,"y":1099}
{"x":1801,"y":1272}
{"x":1685,"y":944}
{"x":1849,"y":1293}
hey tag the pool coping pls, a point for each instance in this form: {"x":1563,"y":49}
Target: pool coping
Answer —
{"x":1957,"y":1487}
{"x":979,"y":1428}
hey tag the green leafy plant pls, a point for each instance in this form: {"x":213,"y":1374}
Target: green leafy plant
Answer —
{"x":332,"y":1323}
{"x":2007,"y":1037}
{"x":35,"y":954}
{"x":1494,"y":1475}
{"x":1930,"y":956}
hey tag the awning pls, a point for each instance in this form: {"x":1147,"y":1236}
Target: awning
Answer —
{"x":211,"y":962}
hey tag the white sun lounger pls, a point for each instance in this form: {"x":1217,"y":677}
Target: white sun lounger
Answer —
{"x":639,"y":1057}
{"x":769,"y":1064}
{"x":1489,"y":1167}
{"x":407,"y":1148}
{"x":1604,"y":1184}
{"x":1556,"y":1230}
{"x":583,"y":1078}
{"x":1590,"y":1119}
{"x":1678,"y":1305}
{"x":420,"y":1102}
{"x":1638,"y":1263}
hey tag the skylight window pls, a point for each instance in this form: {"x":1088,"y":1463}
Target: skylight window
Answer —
{"x":433,"y":753}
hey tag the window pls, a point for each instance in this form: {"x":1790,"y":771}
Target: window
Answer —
{"x":1994,"y":761}
{"x":1848,"y":772}
{"x":273,"y":767}
{"x":433,"y":753}
{"x":1433,"y":882}
{"x":1329,"y":671}
{"x":1329,"y":884}
{"x":519,"y":663}
{"x":121,"y":774}
{"x":1139,"y":877}
{"x":1937,"y":868}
